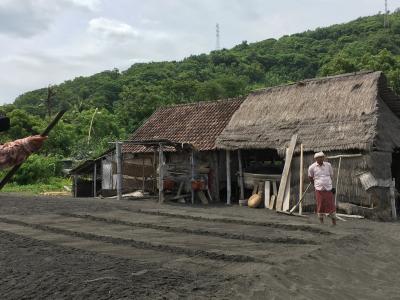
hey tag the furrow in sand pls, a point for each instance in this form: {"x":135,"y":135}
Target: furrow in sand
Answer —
{"x":226,"y":235}
{"x":139,"y":244}
{"x":290,"y":227}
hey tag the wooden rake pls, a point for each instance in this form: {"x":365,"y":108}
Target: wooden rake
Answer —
{"x":290,"y":212}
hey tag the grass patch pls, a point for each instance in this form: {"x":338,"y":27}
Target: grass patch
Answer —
{"x":54,"y":184}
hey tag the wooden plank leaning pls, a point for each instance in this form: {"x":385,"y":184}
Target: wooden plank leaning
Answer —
{"x":285,"y":173}
{"x":267,"y":193}
{"x":274,"y":194}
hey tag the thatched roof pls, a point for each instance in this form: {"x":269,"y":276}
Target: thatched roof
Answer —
{"x":197,"y":124}
{"x":332,"y":113}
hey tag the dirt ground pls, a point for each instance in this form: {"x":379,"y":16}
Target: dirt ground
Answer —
{"x":66,"y":248}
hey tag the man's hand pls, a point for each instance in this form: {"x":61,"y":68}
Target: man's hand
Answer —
{"x":36,"y":142}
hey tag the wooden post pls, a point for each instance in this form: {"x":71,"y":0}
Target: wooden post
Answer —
{"x":75,"y":186}
{"x":161,"y":175}
{"x":216,"y":175}
{"x":228,"y":177}
{"x":119,"y":169}
{"x":286,"y":199}
{"x":285,"y":173}
{"x":241,"y":184}
{"x":192,"y":175}
{"x":154,"y":179}
{"x":301,"y":178}
{"x":393,"y":199}
{"x":95,"y":180}
{"x":143,"y":179}
{"x":337,"y":180}
{"x":267,"y":193}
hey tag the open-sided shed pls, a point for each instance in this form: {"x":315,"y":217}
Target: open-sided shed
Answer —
{"x":347,"y":114}
{"x":196,"y":127}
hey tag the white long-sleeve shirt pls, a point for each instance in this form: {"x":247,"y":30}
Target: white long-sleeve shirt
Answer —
{"x":322,"y":175}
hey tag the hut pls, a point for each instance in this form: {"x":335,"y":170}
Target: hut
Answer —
{"x":176,"y":146}
{"x":93,"y":177}
{"x":356,"y":115}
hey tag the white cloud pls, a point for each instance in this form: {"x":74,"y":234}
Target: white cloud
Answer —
{"x":26,"y":18}
{"x":109,"y":28}
{"x":89,"y":4}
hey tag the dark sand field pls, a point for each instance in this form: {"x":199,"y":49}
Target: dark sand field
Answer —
{"x":65,"y":248}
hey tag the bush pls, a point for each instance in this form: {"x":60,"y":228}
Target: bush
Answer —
{"x":38,"y":169}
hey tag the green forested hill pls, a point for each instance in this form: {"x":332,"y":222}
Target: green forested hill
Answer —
{"x":124,"y":99}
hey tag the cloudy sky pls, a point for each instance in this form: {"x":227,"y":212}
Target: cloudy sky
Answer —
{"x":45,"y":42}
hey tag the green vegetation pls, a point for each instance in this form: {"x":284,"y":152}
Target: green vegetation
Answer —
{"x":53,"y":185}
{"x":118,"y":102}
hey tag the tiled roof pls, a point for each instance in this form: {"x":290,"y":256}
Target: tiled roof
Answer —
{"x":198,"y":124}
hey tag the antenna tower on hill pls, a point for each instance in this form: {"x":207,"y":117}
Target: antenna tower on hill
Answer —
{"x":217,"y":46}
{"x":386,"y":18}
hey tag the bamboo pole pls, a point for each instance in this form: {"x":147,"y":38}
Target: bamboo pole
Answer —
{"x":301,"y":178}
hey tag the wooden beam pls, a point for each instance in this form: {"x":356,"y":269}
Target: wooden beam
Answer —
{"x":393,"y":200}
{"x":241,"y":183}
{"x":344,"y":156}
{"x":285,"y":173}
{"x":267,"y":193}
{"x":95,"y":180}
{"x":228,"y":177}
{"x":274,"y":188}
{"x":143,"y":179}
{"x":301,"y":177}
{"x":119,"y":169}
{"x":75,"y":186}
{"x":192,"y":175}
{"x":350,"y":216}
{"x":216,"y":175}
{"x":337,"y":180}
{"x":274,"y":194}
{"x":272,"y":202}
{"x":286,"y":198}
{"x":161,"y":173}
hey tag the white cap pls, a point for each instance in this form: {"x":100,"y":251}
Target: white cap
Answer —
{"x":319,"y":154}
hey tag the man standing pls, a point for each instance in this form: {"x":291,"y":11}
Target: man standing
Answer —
{"x":320,"y":173}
